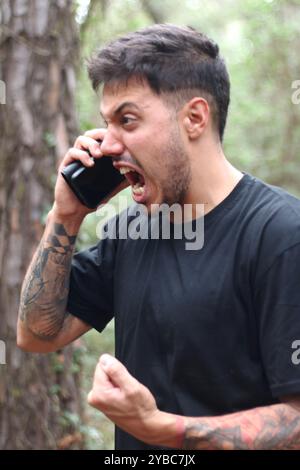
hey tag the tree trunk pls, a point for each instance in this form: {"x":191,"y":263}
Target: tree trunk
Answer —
{"x":40,"y":405}
{"x":155,"y":10}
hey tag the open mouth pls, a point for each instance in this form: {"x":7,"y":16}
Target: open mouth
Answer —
{"x":135,"y":179}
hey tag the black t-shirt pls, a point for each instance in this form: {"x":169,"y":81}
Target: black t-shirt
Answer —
{"x":208,"y":331}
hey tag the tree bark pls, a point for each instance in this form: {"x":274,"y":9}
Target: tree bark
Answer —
{"x":155,"y":10}
{"x":40,"y":403}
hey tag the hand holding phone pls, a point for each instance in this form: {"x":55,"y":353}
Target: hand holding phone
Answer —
{"x":93,"y":185}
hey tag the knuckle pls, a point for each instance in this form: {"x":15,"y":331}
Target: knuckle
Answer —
{"x":68,"y":154}
{"x":113,"y":369}
{"x":132,"y":392}
{"x":71,"y":152}
{"x":93,"y":399}
{"x":79,"y":141}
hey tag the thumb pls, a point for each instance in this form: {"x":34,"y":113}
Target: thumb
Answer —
{"x":116,"y":371}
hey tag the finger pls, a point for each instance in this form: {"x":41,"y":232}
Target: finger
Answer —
{"x":74,"y":154}
{"x":101,"y":384}
{"x":88,"y":144}
{"x":117,"y":372}
{"x":97,"y":134}
{"x":101,"y":379}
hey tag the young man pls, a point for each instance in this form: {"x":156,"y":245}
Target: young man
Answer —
{"x":206,"y":339}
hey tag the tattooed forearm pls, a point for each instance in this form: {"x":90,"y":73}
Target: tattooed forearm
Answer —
{"x":46,"y":285}
{"x":271,"y":427}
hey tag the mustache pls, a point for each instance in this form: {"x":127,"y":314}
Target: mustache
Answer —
{"x":126,"y":159}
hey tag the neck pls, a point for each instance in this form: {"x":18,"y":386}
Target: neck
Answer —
{"x":213,"y":177}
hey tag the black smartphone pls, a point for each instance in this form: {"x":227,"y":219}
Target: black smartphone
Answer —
{"x":93,"y":184}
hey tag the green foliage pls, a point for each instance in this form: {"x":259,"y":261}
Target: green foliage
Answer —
{"x":55,"y":389}
{"x":49,"y":138}
{"x":68,"y":419}
{"x":92,"y":436}
{"x":56,"y":363}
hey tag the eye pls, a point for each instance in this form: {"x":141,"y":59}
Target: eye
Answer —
{"x":126,"y":120}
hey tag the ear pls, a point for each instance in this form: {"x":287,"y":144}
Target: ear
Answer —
{"x":195,"y":117}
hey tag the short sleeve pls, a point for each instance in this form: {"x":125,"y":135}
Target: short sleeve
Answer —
{"x":91,"y":284}
{"x":277,"y":304}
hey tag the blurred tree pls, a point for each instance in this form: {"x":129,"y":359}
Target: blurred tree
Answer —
{"x":40,"y":405}
{"x":155,"y":10}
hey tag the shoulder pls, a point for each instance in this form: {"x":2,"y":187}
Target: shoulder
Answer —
{"x":273,"y":219}
{"x":274,"y":212}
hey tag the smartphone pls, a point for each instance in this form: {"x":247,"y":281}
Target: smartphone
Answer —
{"x":93,"y":184}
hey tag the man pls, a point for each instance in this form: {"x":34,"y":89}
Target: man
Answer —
{"x":205,"y":339}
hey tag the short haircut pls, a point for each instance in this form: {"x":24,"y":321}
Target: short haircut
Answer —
{"x":177,"y":62}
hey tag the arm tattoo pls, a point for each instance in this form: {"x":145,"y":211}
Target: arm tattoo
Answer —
{"x":274,"y":427}
{"x":46,"y":285}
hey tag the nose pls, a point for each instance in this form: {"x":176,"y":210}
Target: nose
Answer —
{"x":111,"y":145}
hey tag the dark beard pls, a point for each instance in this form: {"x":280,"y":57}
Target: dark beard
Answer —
{"x":177,"y":164}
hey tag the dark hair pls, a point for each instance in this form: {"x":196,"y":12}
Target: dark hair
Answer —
{"x":175,"y":60}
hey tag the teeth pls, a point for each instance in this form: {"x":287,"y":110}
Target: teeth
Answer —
{"x":125,"y":170}
{"x":138,"y":189}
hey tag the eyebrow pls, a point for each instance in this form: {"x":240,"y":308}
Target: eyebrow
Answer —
{"x":119,"y":109}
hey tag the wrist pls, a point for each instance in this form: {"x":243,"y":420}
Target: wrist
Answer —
{"x":166,"y":429}
{"x":71,"y":222}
